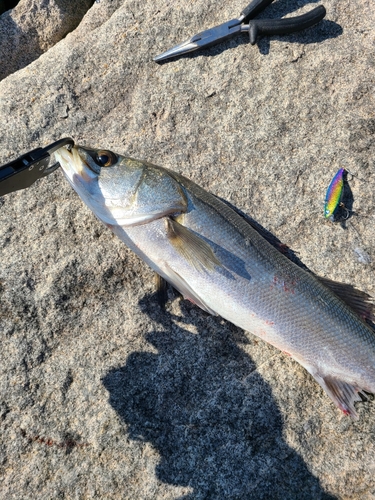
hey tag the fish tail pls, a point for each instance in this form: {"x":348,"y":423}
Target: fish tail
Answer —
{"x":343,"y":394}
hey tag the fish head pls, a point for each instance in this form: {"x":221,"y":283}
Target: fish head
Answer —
{"x":118,"y":189}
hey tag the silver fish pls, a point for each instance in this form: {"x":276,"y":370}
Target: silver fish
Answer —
{"x":215,"y":258}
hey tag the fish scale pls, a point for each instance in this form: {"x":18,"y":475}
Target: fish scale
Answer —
{"x":216,"y":259}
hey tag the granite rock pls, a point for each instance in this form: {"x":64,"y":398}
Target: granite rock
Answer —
{"x":102,"y":393}
{"x":33,"y":26}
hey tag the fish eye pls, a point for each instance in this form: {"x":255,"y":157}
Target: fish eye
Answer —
{"x":105,"y":158}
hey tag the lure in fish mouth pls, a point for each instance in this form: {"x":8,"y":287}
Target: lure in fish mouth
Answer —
{"x":216,"y":259}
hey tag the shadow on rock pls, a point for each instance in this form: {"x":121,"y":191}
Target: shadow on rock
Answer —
{"x":207,"y":411}
{"x":323,"y":30}
{"x":344,"y":211}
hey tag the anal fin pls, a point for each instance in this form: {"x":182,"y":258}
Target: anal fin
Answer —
{"x":343,"y":394}
{"x":186,"y":290}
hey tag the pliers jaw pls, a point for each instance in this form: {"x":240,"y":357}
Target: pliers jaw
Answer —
{"x":25,"y":170}
{"x":203,"y":39}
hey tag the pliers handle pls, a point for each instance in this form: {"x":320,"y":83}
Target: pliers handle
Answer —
{"x":25,"y":170}
{"x":286,"y":26}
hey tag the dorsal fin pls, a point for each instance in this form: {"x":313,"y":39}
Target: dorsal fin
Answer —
{"x":360,"y":302}
{"x":267,"y":235}
{"x":271,"y":238}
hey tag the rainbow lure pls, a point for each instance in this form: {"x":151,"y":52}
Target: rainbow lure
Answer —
{"x":334,"y":193}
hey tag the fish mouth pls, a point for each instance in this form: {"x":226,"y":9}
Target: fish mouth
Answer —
{"x":74,"y":164}
{"x":86,"y":171}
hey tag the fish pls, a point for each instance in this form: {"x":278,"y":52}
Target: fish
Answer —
{"x":216,"y":259}
{"x":334,"y":194}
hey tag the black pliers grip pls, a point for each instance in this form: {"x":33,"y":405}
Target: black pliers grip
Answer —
{"x":284,"y":26}
{"x":25,"y":170}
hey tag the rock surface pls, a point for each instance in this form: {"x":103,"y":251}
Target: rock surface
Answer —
{"x":34,"y":26}
{"x":103,"y":395}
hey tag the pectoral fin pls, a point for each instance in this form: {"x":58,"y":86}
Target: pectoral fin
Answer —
{"x":192,"y":247}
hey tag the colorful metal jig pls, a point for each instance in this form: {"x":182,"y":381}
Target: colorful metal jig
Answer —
{"x":334,"y":193}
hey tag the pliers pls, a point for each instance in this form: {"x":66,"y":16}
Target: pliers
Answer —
{"x":254,"y":28}
{"x":25,"y":170}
